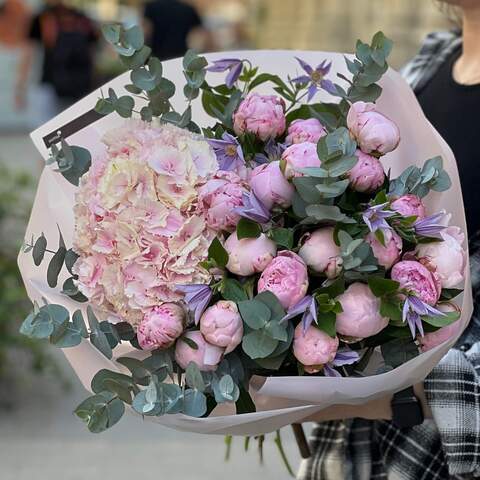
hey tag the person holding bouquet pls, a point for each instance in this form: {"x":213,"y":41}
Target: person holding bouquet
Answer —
{"x":445,"y":76}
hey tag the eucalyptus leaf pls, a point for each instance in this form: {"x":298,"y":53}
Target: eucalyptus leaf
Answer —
{"x":254,"y":313}
{"x":39,"y":249}
{"x":258,"y":344}
{"x":194,"y":403}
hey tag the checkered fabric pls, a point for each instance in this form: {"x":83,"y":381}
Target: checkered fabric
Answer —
{"x":447,"y":447}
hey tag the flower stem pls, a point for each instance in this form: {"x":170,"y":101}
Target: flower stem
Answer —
{"x":228,"y":447}
{"x":278,"y":442}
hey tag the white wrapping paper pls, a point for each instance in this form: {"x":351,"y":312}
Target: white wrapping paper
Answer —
{"x":280,"y":400}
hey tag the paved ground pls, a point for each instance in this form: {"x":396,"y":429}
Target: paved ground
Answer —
{"x":41,"y":440}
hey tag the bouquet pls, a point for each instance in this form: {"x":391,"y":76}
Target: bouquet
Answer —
{"x":274,"y":257}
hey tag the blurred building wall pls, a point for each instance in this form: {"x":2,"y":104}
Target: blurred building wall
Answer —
{"x":336,"y":24}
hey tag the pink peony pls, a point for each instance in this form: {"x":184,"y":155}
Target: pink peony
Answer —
{"x":447,"y":258}
{"x":270,"y":186}
{"x":161,"y":326}
{"x":361,"y":312}
{"x":320,"y":252}
{"x":409,"y":205}
{"x":310,"y":130}
{"x":367,"y":175}
{"x":249,"y":255}
{"x":298,"y":156}
{"x":205,"y":356}
{"x":286,"y":276}
{"x":432,"y":339}
{"x":389,"y":253}
{"x":314,"y":348}
{"x":373,"y":131}
{"x":415,"y":277}
{"x":218,"y":197}
{"x":262,"y":115}
{"x":221,"y":325}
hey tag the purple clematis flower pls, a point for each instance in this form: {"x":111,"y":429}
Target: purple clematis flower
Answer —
{"x":253,"y":208}
{"x":308,"y":307}
{"x":413,"y":309}
{"x":197,"y":297}
{"x":233,"y":65}
{"x":344,"y":356}
{"x":315,"y":78}
{"x":375,"y":217}
{"x":430,"y":226}
{"x":272,"y":152}
{"x":228,"y":151}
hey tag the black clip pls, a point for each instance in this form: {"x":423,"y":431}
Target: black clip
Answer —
{"x":406,"y":409}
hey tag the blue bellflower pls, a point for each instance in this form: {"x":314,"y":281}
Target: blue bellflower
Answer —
{"x":375,"y":217}
{"x":234,"y":67}
{"x":315,"y":78}
{"x":344,"y":356}
{"x":197,"y":297}
{"x":228,"y":151}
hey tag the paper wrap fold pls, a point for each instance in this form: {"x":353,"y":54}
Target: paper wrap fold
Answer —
{"x":280,"y":400}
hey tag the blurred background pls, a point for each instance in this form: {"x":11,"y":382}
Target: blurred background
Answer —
{"x":42,"y":44}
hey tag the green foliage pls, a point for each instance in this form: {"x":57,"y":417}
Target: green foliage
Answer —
{"x":217,"y":253}
{"x":72,"y":161}
{"x":265,"y":331}
{"x":248,"y":229}
{"x":368,"y":66}
{"x":397,"y":352}
{"x":15,"y":189}
{"x":419,"y":181}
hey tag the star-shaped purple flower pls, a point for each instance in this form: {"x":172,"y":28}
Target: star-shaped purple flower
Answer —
{"x":430,"y":226}
{"x":315,"y":78}
{"x":272,"y":152}
{"x":375,"y":217}
{"x":228,"y":151}
{"x":413,"y":309}
{"x":344,"y":356}
{"x":308,"y":307}
{"x":197,"y":297}
{"x":234,"y":67}
{"x":253,"y":208}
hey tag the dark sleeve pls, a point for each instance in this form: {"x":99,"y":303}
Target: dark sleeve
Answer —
{"x":148,"y":11}
{"x":196,"y":20}
{"x":34,"y":32}
{"x":453,"y":393}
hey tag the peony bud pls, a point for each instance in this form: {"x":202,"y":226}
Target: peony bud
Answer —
{"x":313,"y":348}
{"x":373,"y":131}
{"x":249,"y":255}
{"x":310,"y":130}
{"x":205,"y":356}
{"x":286,"y":276}
{"x":409,"y":205}
{"x":361,"y":312}
{"x":299,"y":156}
{"x":320,"y":252}
{"x":270,"y":186}
{"x":415,"y":277}
{"x":447,"y":258}
{"x":389,"y":253}
{"x":221,"y":325}
{"x":161,"y":326}
{"x":367,"y":175}
{"x":262,"y":115}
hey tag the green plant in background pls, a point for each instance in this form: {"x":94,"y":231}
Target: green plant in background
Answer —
{"x":15,"y":203}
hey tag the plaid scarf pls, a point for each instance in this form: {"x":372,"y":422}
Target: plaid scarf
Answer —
{"x":447,"y":447}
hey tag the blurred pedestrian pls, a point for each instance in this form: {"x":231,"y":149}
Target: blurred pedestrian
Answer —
{"x":169,"y":24}
{"x":14,"y":23}
{"x":67,"y":38}
{"x":445,"y":76}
